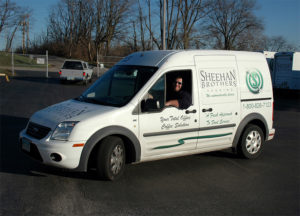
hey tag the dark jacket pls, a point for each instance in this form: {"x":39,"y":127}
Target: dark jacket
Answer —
{"x":183,"y":97}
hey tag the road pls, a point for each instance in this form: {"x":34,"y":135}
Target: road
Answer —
{"x":217,"y":183}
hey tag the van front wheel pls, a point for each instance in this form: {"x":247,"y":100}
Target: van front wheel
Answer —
{"x":111,"y":158}
{"x":252,"y":142}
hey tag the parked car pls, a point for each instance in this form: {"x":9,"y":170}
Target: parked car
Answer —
{"x":124,"y":118}
{"x":76,"y":70}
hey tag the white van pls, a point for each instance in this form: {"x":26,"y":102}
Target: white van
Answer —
{"x":122,"y":117}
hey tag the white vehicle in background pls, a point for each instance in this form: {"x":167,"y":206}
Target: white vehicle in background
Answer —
{"x":75,"y":70}
{"x":286,"y":71}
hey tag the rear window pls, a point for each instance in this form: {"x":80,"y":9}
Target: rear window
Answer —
{"x":75,"y":65}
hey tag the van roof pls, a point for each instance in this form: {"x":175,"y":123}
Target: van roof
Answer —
{"x":159,"y":57}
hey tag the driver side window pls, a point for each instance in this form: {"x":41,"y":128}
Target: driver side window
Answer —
{"x":155,"y":98}
{"x":172,"y":86}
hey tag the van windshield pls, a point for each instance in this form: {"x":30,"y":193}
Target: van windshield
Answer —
{"x":118,"y":85}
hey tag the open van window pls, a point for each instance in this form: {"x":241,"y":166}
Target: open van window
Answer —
{"x":163,"y":91}
{"x":118,"y":86}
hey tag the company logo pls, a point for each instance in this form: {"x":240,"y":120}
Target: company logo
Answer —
{"x":254,"y":80}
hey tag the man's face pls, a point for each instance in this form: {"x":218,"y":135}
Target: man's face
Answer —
{"x":177,"y":84}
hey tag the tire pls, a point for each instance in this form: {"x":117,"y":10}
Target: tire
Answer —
{"x":111,"y":158}
{"x":252,"y":142}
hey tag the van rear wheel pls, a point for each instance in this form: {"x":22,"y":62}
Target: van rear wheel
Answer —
{"x":252,"y":142}
{"x":111,"y":158}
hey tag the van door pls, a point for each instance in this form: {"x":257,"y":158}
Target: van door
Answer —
{"x":167,"y":130}
{"x":219,"y":104}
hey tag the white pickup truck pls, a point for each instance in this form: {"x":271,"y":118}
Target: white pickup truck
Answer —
{"x":76,"y":70}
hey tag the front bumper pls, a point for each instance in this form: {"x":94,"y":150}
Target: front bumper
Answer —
{"x":63,"y":154}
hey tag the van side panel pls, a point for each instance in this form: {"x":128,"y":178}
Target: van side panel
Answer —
{"x":255,"y":87}
{"x":219,"y":113}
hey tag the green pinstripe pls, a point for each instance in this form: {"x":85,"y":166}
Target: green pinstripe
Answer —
{"x":181,"y":141}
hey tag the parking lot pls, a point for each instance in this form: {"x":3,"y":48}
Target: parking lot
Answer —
{"x":217,"y":183}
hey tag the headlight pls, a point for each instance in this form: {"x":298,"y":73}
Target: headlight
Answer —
{"x":63,"y":130}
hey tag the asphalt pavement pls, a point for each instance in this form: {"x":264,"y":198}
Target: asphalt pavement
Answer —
{"x":217,"y":183}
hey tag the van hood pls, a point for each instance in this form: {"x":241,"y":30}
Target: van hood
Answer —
{"x":70,"y":110}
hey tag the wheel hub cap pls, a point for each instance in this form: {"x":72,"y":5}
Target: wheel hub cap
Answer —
{"x":116,"y":159}
{"x":253,"y":142}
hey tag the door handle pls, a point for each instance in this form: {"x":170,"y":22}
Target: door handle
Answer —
{"x":207,"y":110}
{"x":190,"y":111}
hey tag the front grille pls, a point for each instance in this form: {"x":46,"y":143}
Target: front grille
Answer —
{"x":37,"y":131}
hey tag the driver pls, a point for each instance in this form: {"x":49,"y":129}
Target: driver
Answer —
{"x":178,"y":97}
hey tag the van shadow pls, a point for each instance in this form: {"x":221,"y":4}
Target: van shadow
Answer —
{"x":14,"y":161}
{"x":226,"y":153}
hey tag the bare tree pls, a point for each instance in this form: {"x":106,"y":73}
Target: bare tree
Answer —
{"x":148,"y":2}
{"x":229,"y":19}
{"x":108,"y":19}
{"x":85,"y":25}
{"x":181,"y":19}
{"x":11,"y":18}
{"x":8,"y":13}
{"x":10,"y":37}
{"x":146,"y":22}
{"x":153,"y":39}
{"x":191,"y":12}
{"x":278,"y":44}
{"x":62,"y":24}
{"x":172,"y":20}
{"x":251,"y":40}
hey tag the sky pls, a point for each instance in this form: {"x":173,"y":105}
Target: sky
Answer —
{"x":280,"y":18}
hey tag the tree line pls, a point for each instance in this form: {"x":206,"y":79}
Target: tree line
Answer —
{"x":89,"y":28}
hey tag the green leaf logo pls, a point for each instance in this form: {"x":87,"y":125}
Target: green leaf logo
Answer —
{"x":254,"y":80}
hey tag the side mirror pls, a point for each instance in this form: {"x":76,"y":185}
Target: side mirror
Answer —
{"x":150,"y":105}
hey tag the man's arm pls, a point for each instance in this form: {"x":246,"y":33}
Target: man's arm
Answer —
{"x":174,"y":103}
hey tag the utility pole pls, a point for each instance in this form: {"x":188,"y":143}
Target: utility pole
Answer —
{"x":164,"y":27}
{"x":25,"y":32}
{"x":46,"y":63}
